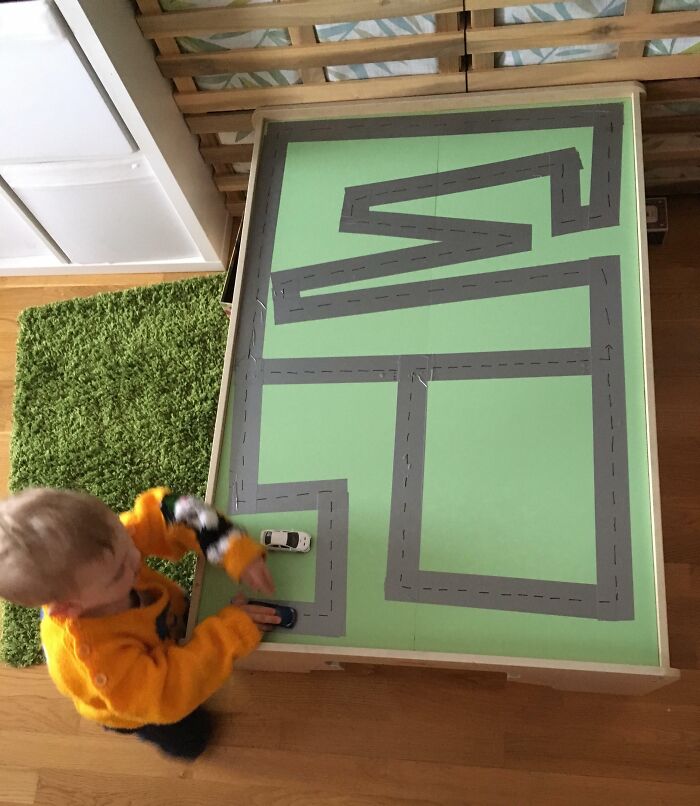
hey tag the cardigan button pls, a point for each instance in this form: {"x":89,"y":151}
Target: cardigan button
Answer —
{"x":83,"y":650}
{"x":100,"y":680}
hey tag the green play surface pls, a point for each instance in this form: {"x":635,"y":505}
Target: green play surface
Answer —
{"x":508,"y":486}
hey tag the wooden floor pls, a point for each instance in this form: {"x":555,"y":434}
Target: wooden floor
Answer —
{"x":389,"y":736}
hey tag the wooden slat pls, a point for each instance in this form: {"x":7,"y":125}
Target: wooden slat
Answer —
{"x":166,"y":46}
{"x":551,"y":75}
{"x":583,"y":32}
{"x":227,"y":153}
{"x":671,"y":149}
{"x":663,"y":92}
{"x":635,"y":8}
{"x":671,"y":187}
{"x":236,"y":208}
{"x":671,"y":124}
{"x":399,"y":86}
{"x":298,"y":12}
{"x":540,"y":75}
{"x":232,"y":181}
{"x":449,"y":59}
{"x":227,"y":122}
{"x":354,"y":51}
{"x":481,"y":19}
{"x":481,"y":41}
{"x":672,"y":156}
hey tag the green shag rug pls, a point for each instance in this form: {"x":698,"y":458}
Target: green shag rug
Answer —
{"x":115,"y":394}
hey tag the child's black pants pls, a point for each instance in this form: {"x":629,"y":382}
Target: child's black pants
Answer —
{"x":185,"y":739}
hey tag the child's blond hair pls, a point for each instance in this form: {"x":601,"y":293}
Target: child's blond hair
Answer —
{"x":45,"y":535}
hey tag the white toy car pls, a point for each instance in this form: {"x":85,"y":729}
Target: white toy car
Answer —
{"x":282,"y":540}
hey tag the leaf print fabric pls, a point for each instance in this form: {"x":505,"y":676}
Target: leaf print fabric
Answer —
{"x":586,"y":9}
{"x":397,"y":26}
{"x":267,"y":38}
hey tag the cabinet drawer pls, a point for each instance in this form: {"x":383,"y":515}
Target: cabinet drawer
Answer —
{"x":19,"y":241}
{"x":112,"y":212}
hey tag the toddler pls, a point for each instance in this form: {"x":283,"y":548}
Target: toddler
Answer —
{"x":112,"y":627}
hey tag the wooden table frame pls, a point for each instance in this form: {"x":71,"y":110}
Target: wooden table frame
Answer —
{"x":567,"y":675}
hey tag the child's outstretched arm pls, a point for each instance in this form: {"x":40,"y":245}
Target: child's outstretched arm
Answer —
{"x":165,"y":524}
{"x":165,"y":683}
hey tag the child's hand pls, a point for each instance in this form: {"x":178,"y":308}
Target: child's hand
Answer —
{"x":265,"y":618}
{"x":257,"y":576}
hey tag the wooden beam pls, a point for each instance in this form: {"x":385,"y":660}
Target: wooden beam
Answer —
{"x":166,"y":46}
{"x":354,"y":51}
{"x":227,"y":122}
{"x":228,"y":182}
{"x":635,"y":8}
{"x":480,"y":41}
{"x":396,"y":87}
{"x":301,"y":36}
{"x":235,"y":196}
{"x":305,"y":35}
{"x":545,"y":75}
{"x":671,"y":124}
{"x":481,"y":19}
{"x":664,"y":92}
{"x":227,"y":153}
{"x":298,"y":12}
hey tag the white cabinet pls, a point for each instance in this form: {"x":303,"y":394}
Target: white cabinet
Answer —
{"x":98,"y":171}
{"x":59,"y":111}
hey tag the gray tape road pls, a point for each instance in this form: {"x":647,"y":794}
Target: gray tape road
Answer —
{"x":443,"y":366}
{"x":457,"y":242}
{"x":486,"y":285}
